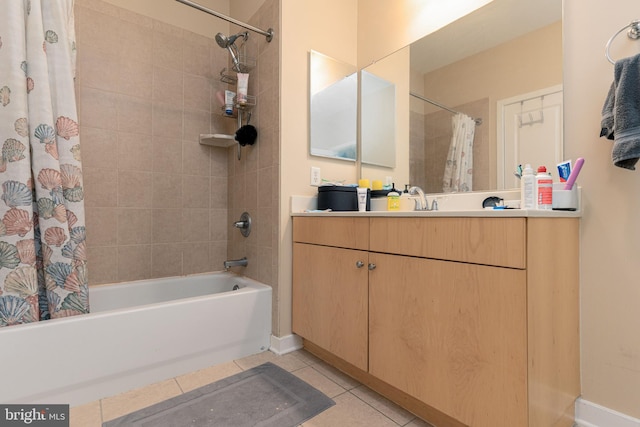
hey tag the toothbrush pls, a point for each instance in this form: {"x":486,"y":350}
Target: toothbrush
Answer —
{"x":574,"y":174}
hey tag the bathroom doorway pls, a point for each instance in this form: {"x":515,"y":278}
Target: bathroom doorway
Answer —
{"x":530,"y":130}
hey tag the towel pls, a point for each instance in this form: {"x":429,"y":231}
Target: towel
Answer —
{"x":621,"y":113}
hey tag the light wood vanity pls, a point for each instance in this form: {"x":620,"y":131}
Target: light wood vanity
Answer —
{"x":465,"y":321}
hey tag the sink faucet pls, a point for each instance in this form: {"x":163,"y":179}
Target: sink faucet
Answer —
{"x":242,"y":262}
{"x":422,"y":204}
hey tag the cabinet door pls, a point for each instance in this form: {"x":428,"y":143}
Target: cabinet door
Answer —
{"x":453,"y":335}
{"x":330,"y":293}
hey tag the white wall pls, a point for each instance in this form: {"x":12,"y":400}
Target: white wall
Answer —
{"x":610,"y":234}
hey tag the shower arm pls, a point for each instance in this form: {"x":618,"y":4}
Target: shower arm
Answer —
{"x":268,"y":34}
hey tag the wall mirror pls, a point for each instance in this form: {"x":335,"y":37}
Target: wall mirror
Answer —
{"x":506,"y":50}
{"x":333,"y":107}
{"x":378,"y":118}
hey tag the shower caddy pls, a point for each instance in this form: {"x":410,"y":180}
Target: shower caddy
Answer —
{"x":242,"y":63}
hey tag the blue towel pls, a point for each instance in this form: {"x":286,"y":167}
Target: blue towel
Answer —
{"x":621,"y":113}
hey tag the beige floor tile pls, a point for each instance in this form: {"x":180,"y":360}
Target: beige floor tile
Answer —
{"x":343,"y":380}
{"x":349,"y":411}
{"x":417,"y":422}
{"x":287,"y":362}
{"x":255,"y":360}
{"x":130,"y":401}
{"x":319,"y":381}
{"x":383,"y":405}
{"x":305,"y":356}
{"x":88,"y":415}
{"x":200,"y":378}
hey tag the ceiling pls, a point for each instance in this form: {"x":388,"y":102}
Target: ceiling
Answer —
{"x":487,"y":27}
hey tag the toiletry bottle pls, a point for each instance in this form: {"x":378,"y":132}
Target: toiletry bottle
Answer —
{"x":527,"y":188}
{"x":544,"y":189}
{"x":393,"y":199}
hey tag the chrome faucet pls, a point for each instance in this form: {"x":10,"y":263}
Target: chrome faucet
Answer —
{"x":422,"y":204}
{"x":242,"y":262}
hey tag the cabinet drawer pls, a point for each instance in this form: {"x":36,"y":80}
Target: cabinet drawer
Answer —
{"x":488,"y":241}
{"x":342,"y":232}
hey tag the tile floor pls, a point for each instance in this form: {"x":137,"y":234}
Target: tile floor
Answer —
{"x":356,"y":405}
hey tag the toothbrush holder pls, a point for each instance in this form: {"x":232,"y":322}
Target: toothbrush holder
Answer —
{"x":564,"y":200}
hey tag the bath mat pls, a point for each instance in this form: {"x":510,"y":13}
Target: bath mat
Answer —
{"x":265,"y":396}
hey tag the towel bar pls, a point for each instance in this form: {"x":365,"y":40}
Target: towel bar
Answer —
{"x":633,"y":33}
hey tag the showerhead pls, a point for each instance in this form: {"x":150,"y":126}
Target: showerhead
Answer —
{"x":229,"y":43}
{"x":224,"y":41}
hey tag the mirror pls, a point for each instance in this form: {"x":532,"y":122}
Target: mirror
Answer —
{"x":378,"y":115}
{"x":333,"y":107}
{"x":506,"y":50}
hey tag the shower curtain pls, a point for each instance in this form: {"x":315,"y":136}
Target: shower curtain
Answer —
{"x":43,"y":271}
{"x":458,"y":171}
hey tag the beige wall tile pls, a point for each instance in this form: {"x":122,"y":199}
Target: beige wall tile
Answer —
{"x":134,"y":115}
{"x":106,"y":270}
{"x":102,"y":226}
{"x":101,"y":187}
{"x":196,"y":122}
{"x":99,"y":71}
{"x":99,"y":108}
{"x":167,"y":226}
{"x":196,"y":191}
{"x":167,"y":191}
{"x":197,"y":93}
{"x":134,"y":226}
{"x":135,"y":152}
{"x":168,"y":85}
{"x":99,"y":147}
{"x":196,"y":225}
{"x":134,"y":189}
{"x":195,"y":258}
{"x":135,"y":78}
{"x":167,"y":155}
{"x":167,"y":120}
{"x":167,"y":48}
{"x":134,"y":262}
{"x":219,"y":224}
{"x":196,"y":158}
{"x":136,"y":38}
{"x":166,"y":260}
{"x":218,"y":253}
{"x":219,"y":196}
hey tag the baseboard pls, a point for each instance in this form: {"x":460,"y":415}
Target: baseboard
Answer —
{"x":589,"y":414}
{"x":286,"y":344}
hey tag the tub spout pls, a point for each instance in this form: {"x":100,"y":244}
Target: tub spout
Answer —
{"x":242,"y":262}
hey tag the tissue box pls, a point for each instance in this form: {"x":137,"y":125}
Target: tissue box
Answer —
{"x":340,"y":198}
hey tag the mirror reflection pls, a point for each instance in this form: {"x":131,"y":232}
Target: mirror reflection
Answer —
{"x":333,"y":108}
{"x":378,"y":115}
{"x":501,"y":64}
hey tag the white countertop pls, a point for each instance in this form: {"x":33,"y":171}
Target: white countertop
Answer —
{"x":301,"y":205}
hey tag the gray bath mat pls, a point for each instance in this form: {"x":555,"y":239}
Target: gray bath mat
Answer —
{"x":265,"y":396}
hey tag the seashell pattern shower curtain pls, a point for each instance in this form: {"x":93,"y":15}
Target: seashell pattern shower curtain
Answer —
{"x":458,"y":171}
{"x":43,"y":272}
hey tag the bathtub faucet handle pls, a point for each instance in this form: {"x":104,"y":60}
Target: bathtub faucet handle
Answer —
{"x":244,"y":224}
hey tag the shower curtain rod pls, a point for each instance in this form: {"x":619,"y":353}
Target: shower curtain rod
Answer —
{"x":268,"y":34}
{"x":437,"y":104}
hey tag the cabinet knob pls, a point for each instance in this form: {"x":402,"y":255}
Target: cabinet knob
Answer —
{"x":371,"y":266}
{"x":359,"y":264}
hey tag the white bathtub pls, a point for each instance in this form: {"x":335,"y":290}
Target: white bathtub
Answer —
{"x":137,"y":333}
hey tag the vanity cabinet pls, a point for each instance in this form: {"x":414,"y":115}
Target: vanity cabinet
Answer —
{"x":465,"y":321}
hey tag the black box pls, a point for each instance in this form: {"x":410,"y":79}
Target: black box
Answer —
{"x":340,"y":198}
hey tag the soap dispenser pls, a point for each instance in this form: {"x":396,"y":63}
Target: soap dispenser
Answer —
{"x":393,"y":199}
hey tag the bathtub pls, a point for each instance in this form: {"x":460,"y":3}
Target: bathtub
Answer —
{"x":137,"y":333}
